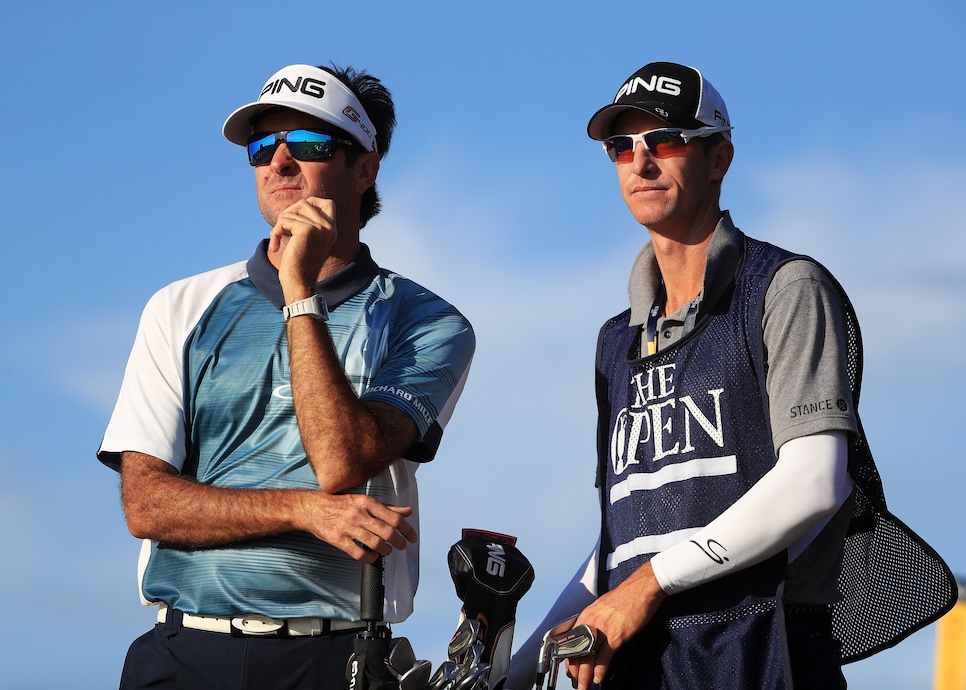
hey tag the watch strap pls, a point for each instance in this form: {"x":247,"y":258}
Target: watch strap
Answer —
{"x":313,"y":306}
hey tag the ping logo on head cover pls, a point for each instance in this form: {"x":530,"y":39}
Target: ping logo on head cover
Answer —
{"x":306,"y":85}
{"x":665,"y":85}
{"x":495,"y":560}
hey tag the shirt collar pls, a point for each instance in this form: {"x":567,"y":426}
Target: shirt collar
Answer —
{"x":721,"y":263}
{"x":335,"y":289}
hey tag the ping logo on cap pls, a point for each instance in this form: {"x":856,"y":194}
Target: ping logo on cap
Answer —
{"x":306,"y":85}
{"x":665,"y":85}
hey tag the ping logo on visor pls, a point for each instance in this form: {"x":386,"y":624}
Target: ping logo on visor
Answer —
{"x":661,"y":143}
{"x":308,"y":90}
{"x":303,"y":144}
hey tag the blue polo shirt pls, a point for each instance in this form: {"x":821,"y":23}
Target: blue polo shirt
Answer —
{"x":207,"y":389}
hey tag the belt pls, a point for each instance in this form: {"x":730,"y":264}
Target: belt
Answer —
{"x":254,"y":624}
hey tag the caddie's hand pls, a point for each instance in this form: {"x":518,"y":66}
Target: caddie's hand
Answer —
{"x":616,"y":617}
{"x":304,"y":235}
{"x":353,"y":521}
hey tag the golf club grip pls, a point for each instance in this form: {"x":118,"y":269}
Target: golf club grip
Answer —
{"x":372,"y":592}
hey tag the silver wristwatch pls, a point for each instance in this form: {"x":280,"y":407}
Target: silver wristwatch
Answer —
{"x":313,"y":306}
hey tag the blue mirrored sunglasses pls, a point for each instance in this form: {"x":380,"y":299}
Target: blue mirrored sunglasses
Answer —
{"x":303,"y":144}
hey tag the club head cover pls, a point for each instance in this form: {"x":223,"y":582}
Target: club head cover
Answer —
{"x":491,"y":575}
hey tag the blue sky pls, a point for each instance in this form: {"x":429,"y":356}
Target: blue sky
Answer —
{"x":849,"y":148}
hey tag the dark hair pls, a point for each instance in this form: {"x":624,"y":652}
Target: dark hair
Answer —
{"x":377,"y":102}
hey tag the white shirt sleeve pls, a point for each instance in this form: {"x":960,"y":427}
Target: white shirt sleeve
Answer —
{"x":787,"y":508}
{"x":149,"y":414}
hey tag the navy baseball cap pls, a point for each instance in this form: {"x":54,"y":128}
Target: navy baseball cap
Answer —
{"x":677,"y":94}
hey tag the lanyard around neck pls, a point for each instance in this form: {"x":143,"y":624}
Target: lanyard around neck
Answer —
{"x":659,"y":302}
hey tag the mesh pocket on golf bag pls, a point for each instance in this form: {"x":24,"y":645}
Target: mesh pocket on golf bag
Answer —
{"x":892,"y":583}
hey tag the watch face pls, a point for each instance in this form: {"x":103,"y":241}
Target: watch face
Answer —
{"x":319,"y":309}
{"x":312,"y":306}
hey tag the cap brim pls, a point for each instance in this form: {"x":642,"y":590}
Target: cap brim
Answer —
{"x":238,"y":127}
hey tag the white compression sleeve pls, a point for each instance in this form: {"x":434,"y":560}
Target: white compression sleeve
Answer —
{"x":786,"y":508}
{"x":579,"y":593}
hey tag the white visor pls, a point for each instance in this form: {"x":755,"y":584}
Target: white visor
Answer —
{"x":309,"y":90}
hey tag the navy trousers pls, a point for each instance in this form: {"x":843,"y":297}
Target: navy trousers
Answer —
{"x":170,"y":656}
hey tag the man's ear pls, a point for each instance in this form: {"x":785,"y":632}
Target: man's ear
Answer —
{"x":721,"y":156}
{"x":366,"y":169}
